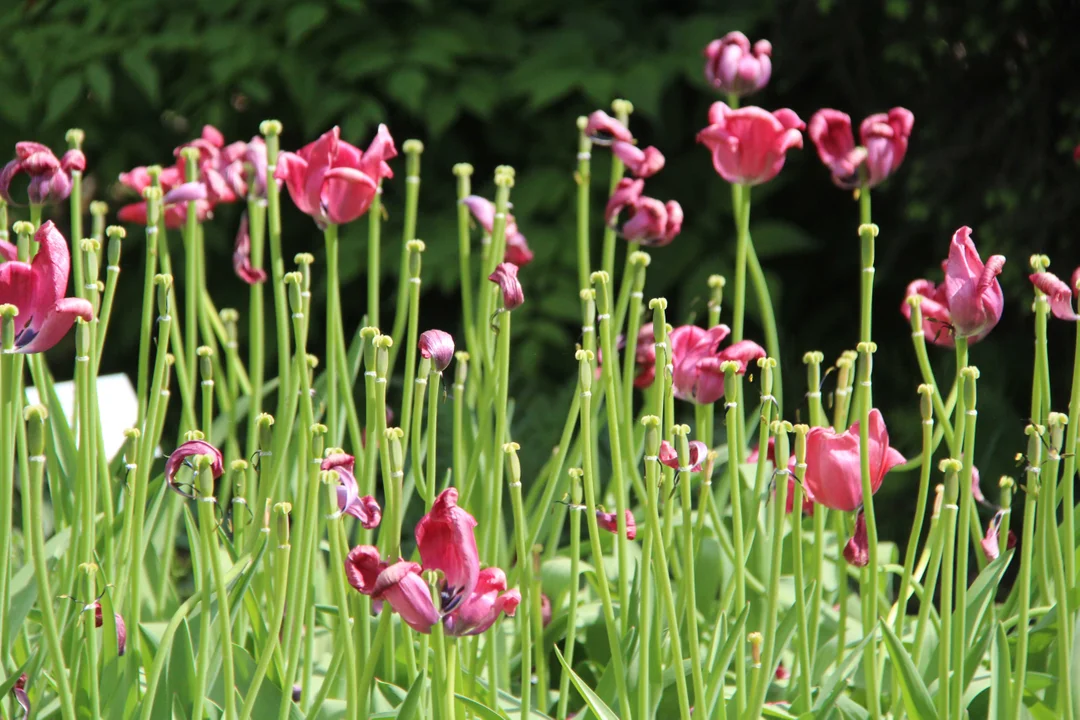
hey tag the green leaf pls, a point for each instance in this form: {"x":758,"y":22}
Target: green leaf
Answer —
{"x":302,"y":19}
{"x":719,"y":669}
{"x":916,"y":697}
{"x":481,"y":710}
{"x":1001,"y":667}
{"x":983,"y":590}
{"x":837,"y":681}
{"x":412,"y":701}
{"x":599,"y":708}
{"x":62,"y":97}
{"x":407,"y":85}
{"x":23,"y":587}
{"x":137,"y":64}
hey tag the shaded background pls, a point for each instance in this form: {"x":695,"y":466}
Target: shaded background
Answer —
{"x":992,"y":86}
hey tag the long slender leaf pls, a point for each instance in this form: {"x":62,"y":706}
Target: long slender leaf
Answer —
{"x":719,"y":669}
{"x":411,"y":704}
{"x":482,"y":711}
{"x":838,"y":681}
{"x":917,"y":699}
{"x":1001,"y":667}
{"x":599,"y":708}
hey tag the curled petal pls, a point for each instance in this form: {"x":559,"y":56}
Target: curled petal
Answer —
{"x":447,"y":542}
{"x":626,"y":195}
{"x":381,"y":149}
{"x":401,"y":585}
{"x":505,"y":276}
{"x":1059,"y":294}
{"x":517,"y":249}
{"x":610,"y":522}
{"x":604,"y":129}
{"x":19,"y":691}
{"x":669,"y":457}
{"x":857,"y":549}
{"x":437,"y":346}
{"x":121,"y":628}
{"x":642,"y":163}
{"x":73,"y":160}
{"x":188,"y":192}
{"x":189,"y":449}
{"x":242,"y":256}
{"x":362,"y":567}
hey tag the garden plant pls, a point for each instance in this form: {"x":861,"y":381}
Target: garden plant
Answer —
{"x":348,"y":532}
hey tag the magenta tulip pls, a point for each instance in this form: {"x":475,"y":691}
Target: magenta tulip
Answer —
{"x":446,"y":541}
{"x":50,"y":177}
{"x":833,"y":473}
{"x":505,"y":276}
{"x":190,"y":449}
{"x":884,"y":143}
{"x":365,"y":509}
{"x":697,"y":359}
{"x":1058,"y":293}
{"x":242,"y":256}
{"x":482,"y":608}
{"x":749,"y":145}
{"x":733,"y":66}
{"x":437,"y":346}
{"x":670,"y":457}
{"x":517,"y":247}
{"x":610,"y":522}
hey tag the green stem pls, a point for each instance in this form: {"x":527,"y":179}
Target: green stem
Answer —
{"x":146,"y":328}
{"x":212,"y":556}
{"x":1023,"y":581}
{"x":952,"y":467}
{"x":965,"y":405}
{"x":374,"y":272}
{"x":335,"y":333}
{"x":768,"y":315}
{"x":936,"y":542}
{"x":572,"y":602}
{"x":622,"y":110}
{"x":271,"y":131}
{"x":192,"y":286}
{"x":256,"y":319}
{"x":502,"y":379}
{"x":463,"y":172}
{"x":689,"y":585}
{"x":524,"y":563}
{"x":412,"y":150}
{"x":806,"y":667}
{"x":870,"y":586}
{"x":415,"y":249}
{"x":1053,"y":543}
{"x":337,"y":543}
{"x":583,"y":180}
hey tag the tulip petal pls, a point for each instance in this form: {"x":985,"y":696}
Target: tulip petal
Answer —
{"x":447,"y":542}
{"x":401,"y":585}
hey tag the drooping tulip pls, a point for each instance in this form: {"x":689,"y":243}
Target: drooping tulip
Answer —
{"x":242,"y":256}
{"x":884,"y":143}
{"x":645,"y":220}
{"x":1058,"y":293}
{"x":399,"y":584}
{"x":437,"y":346}
{"x":189,"y":449}
{"x":19,"y":691}
{"x":991,"y":542}
{"x":50,"y":177}
{"x":505,"y":276}
{"x":857,"y":549}
{"x":749,"y":145}
{"x":333,"y":181}
{"x":365,"y":509}
{"x":482,"y":608}
{"x":603,"y":129}
{"x":770,"y":455}
{"x":969,"y":303}
{"x":447,"y":542}
{"x":641,"y":163}
{"x":697,"y":360}
{"x":833,"y":471}
{"x":610,"y":522}
{"x":121,"y":628}
{"x":517,"y":247}
{"x":733,"y":66}
{"x":37,"y":289}
{"x":670,"y":457}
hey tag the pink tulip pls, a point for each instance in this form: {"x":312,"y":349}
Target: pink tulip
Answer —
{"x":604,"y":129}
{"x":365,"y":509}
{"x":857,"y":549}
{"x":670,"y":457}
{"x":648,"y":221}
{"x":37,"y":289}
{"x":447,"y":542}
{"x":697,"y":357}
{"x":749,"y":145}
{"x":189,"y":449}
{"x":437,"y":346}
{"x":884,"y":143}
{"x":969,"y":303}
{"x":833,"y":475}
{"x":482,"y":608}
{"x":732,"y":66}
{"x":610,"y":522}
{"x":121,"y":629}
{"x":399,"y":584}
{"x":50,"y":177}
{"x":1058,"y":293}
{"x":641,"y":163}
{"x":770,"y":455}
{"x":505,"y":276}
{"x":242,"y":256}
{"x":517,"y":247}
{"x":333,"y":181}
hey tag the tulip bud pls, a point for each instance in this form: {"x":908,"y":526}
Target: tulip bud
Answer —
{"x":970,"y":375}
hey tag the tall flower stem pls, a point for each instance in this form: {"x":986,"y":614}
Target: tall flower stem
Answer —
{"x":936,"y":543}
{"x":374,"y":271}
{"x":1057,"y":425}
{"x":112,"y":270}
{"x":9,"y":407}
{"x":1023,"y":581}
{"x":521,"y":529}
{"x":689,"y":586}
{"x":336,"y":541}
{"x":870,"y":575}
{"x":414,"y":253}
{"x":75,"y":139}
{"x":412,"y":149}
{"x":1040,"y":407}
{"x":271,"y":131}
{"x":765,"y":672}
{"x":585,"y":378}
{"x":152,"y":195}
{"x":256,"y":316}
{"x":583,"y":178}
{"x":622,"y":110}
{"x":734,"y":420}
{"x":601,"y":282}
{"x":504,"y":181}
{"x":659,"y":557}
{"x":335,"y":333}
{"x":806,"y":667}
{"x":1069,"y":470}
{"x":280,"y":562}
{"x":90,"y":570}
{"x":818,"y":418}
{"x":867,"y":234}
{"x":968,"y":376}
{"x":192,"y":284}
{"x":212,"y":556}
{"x":572,"y":601}
{"x":926,"y":406}
{"x":33,"y":512}
{"x":463,"y":172}
{"x":952,"y":468}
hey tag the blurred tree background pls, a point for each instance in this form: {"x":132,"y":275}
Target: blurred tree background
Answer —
{"x":992,"y":85}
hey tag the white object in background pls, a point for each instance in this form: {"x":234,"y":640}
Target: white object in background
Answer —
{"x":118,"y":403}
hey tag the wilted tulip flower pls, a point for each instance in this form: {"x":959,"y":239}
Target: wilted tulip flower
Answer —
{"x":1058,"y":293}
{"x":505,"y":276}
{"x":641,"y":163}
{"x":732,"y":66}
{"x":399,"y":584}
{"x":437,"y":346}
{"x":190,"y":449}
{"x":121,"y":629}
{"x":174,"y":206}
{"x":37,"y":290}
{"x":697,"y":357}
{"x":991,"y":542}
{"x":969,"y":303}
{"x":365,"y":509}
{"x":220,"y":166}
{"x":857,"y":549}
{"x":19,"y":691}
{"x":446,"y":541}
{"x":749,"y":145}
{"x":770,"y":455}
{"x":884,"y":143}
{"x":603,"y":129}
{"x":50,"y":177}
{"x":335,"y":182}
{"x":645,"y":220}
{"x":242,"y":256}
{"x":517,"y":247}
{"x":833,"y":471}
{"x":482,"y":608}
{"x":670,"y":457}
{"x":610,"y":522}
